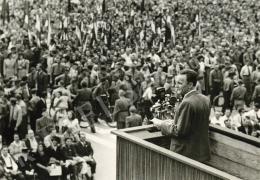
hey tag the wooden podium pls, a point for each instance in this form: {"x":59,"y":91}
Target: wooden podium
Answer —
{"x":143,"y":154}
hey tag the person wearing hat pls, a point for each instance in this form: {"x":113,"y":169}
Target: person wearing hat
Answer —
{"x":134,"y":119}
{"x":15,"y":119}
{"x":238,"y":96}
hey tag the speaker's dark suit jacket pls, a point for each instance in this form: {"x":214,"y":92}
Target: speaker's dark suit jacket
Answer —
{"x":190,"y":128}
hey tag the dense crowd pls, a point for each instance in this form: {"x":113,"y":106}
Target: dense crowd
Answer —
{"x":111,"y":60}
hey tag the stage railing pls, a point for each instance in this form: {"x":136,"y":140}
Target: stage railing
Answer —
{"x":142,"y":154}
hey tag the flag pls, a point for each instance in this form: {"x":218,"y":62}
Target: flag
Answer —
{"x":141,"y":35}
{"x":153,"y":27}
{"x":127,"y":33}
{"x":26,"y":12}
{"x":172,"y":33}
{"x":142,"y":7}
{"x":103,"y":6}
{"x":85,"y":44}
{"x":49,"y":33}
{"x":26,"y":19}
{"x":38,"y":23}
{"x":65,"y":22}
{"x":69,"y":6}
{"x":78,"y":33}
{"x":169,"y":31}
{"x":29,"y":36}
{"x":95,"y":30}
{"x":5,"y":11}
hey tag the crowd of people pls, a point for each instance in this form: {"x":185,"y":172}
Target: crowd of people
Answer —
{"x":107,"y":60}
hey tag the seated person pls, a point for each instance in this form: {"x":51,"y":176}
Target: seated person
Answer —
{"x":134,"y":119}
{"x":216,"y":120}
{"x":10,"y":166}
{"x":16,"y":147}
{"x":48,"y":139}
{"x":69,"y":134}
{"x":237,"y":120}
{"x":41,"y":163}
{"x":226,"y":119}
{"x":71,"y":158}
{"x":26,"y":164}
{"x":71,"y":122}
{"x":85,"y":151}
{"x":43,"y":124}
{"x":31,"y":142}
{"x":54,"y":153}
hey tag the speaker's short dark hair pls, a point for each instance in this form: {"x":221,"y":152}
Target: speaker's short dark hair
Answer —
{"x":192,"y":76}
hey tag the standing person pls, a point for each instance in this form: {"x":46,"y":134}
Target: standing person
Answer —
{"x":41,"y":80}
{"x":15,"y":119}
{"x":215,"y":82}
{"x":40,"y":107}
{"x":23,"y":127}
{"x":121,"y":110}
{"x":22,"y":66}
{"x":85,"y":151}
{"x":256,"y":93}
{"x":3,"y":118}
{"x":228,"y":86}
{"x":191,"y":115}
{"x":238,"y":95}
{"x":32,"y":108}
{"x":245,"y":74}
{"x":10,"y":66}
{"x":134,"y":119}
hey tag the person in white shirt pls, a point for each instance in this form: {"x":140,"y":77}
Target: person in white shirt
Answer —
{"x":31,"y":142}
{"x":226,"y":119}
{"x":238,"y":120}
{"x":1,"y":142}
{"x":246,"y":73}
{"x":10,"y":166}
{"x":16,"y":147}
{"x":148,"y":102}
{"x":216,"y":119}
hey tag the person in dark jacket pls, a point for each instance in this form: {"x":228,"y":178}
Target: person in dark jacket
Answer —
{"x":69,"y":154}
{"x":85,"y":150}
{"x":121,"y":110}
{"x":134,"y":119}
{"x":190,"y":127}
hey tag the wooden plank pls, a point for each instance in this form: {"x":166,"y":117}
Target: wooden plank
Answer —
{"x":235,"y":143}
{"x":239,"y":156}
{"x":234,"y":168}
{"x":139,"y":163}
{"x":235,"y":135}
{"x":146,"y":134}
{"x":177,"y":157}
